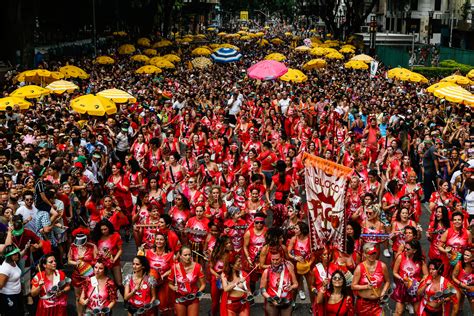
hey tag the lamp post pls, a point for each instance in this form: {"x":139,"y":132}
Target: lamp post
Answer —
{"x":430,"y":18}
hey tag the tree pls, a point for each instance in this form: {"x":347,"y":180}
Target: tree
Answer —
{"x":355,"y":16}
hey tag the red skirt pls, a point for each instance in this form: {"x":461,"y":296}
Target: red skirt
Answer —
{"x":56,"y":310}
{"x":366,"y":307}
{"x":400,"y":294}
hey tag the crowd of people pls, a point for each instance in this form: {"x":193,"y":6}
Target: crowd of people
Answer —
{"x":204,"y":173}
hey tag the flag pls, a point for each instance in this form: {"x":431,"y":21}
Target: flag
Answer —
{"x":325,"y":184}
{"x":374,"y":65}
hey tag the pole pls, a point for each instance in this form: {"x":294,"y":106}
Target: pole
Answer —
{"x":451,"y":30}
{"x":94,"y":29}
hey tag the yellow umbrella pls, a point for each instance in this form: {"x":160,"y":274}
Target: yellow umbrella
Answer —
{"x":61,"y":86}
{"x":315,"y":63}
{"x":55,"y":75}
{"x":148,"y":69}
{"x":318,"y":51}
{"x":93,"y":105}
{"x":30,"y":92}
{"x":242,"y":32}
{"x":356,"y":64}
{"x":117,"y":95}
{"x":162,"y":43}
{"x":363,"y":57}
{"x":227,"y":45}
{"x":245,"y":38}
{"x":200,"y":36}
{"x":294,"y":75}
{"x":277,"y":41}
{"x":266,"y":27}
{"x":14,"y":101}
{"x":160,"y":62}
{"x":440,"y":84}
{"x":172,"y":58}
{"x":140,"y":58}
{"x":263,"y":42}
{"x":71,"y":71}
{"x":288,"y":34}
{"x":187,"y":39}
{"x":302,"y":49}
{"x":335,"y":55}
{"x":347,"y":50}
{"x":201,"y":51}
{"x":201,"y":62}
{"x":455,"y":94}
{"x":470,"y":74}
{"x":126,"y":49}
{"x":104,"y":60}
{"x":349,"y":46}
{"x":143,"y":41}
{"x":211,"y":29}
{"x":260,"y":34}
{"x":406,"y":75}
{"x":221,"y":34}
{"x":120,"y":33}
{"x":275,"y":56}
{"x":150,"y":52}
{"x":35,"y":75}
{"x":461,"y":80}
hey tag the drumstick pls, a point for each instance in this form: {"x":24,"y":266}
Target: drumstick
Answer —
{"x":44,"y":287}
{"x":370,"y":282}
{"x":204,"y":257}
{"x":248,"y":274}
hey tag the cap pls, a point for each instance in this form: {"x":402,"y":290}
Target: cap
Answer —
{"x":80,"y":240}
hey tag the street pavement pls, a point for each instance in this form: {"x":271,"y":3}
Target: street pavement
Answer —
{"x":302,"y":307}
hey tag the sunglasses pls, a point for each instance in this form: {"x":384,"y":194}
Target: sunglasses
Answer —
{"x":190,"y":181}
{"x":408,"y":249}
{"x":259,"y":222}
{"x":337,"y":278}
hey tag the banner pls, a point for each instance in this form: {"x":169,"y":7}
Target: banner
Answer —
{"x":374,"y":65}
{"x":325,"y":184}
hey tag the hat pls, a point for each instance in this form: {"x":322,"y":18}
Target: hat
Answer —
{"x":372,"y":251}
{"x":125,"y":129}
{"x":80,"y":239}
{"x":81,"y":159}
{"x":96,"y":155}
{"x":78,"y":164}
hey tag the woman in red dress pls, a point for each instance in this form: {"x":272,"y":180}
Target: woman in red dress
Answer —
{"x":409,"y":269}
{"x":401,"y":221}
{"x":99,"y":292}
{"x":463,"y":277}
{"x":161,"y":258}
{"x":218,"y":256}
{"x":150,"y":227}
{"x":140,"y":287}
{"x":82,"y":255}
{"x":216,"y":209}
{"x":119,"y":187}
{"x":415,"y":191}
{"x":453,"y":242}
{"x":236,"y":286}
{"x":196,"y":232}
{"x":442,"y":197}
{"x":139,"y":150}
{"x":436,"y":229}
{"x":109,"y":244}
{"x":42,"y":283}
{"x":180,"y":213}
{"x":281,"y":182}
{"x":186,"y":277}
{"x":336,"y":300}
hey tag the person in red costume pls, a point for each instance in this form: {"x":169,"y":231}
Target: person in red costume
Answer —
{"x":161,"y":259}
{"x":463,"y":277}
{"x":277,"y":286}
{"x":51,"y":303}
{"x":164,"y":224}
{"x":119,"y":187}
{"x":82,"y":255}
{"x":186,"y":277}
{"x":336,"y":300}
{"x":196,"y":232}
{"x":371,"y":281}
{"x":140,"y":287}
{"x":99,"y":292}
{"x":254,"y":240}
{"x":432,"y":305}
{"x":236,"y":286}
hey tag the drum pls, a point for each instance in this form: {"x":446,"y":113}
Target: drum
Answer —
{"x":85,"y":269}
{"x":302,"y":267}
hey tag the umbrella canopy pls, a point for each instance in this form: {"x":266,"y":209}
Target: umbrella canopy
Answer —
{"x":126,"y":49}
{"x":201,"y":51}
{"x":104,"y":60}
{"x":356,"y":64}
{"x":455,"y":94}
{"x":406,"y":75}
{"x":263,"y":42}
{"x":148,"y":69}
{"x":347,"y":50}
{"x":277,"y":41}
{"x":93,"y":105}
{"x":315,"y":63}
{"x":140,"y":58}
{"x":349,"y":46}
{"x":221,"y":34}
{"x":226,"y":55}
{"x":470,"y":74}
{"x":267,"y":70}
{"x":438,"y":85}
{"x":161,"y":62}
{"x":318,"y":51}
{"x":294,"y":75}
{"x":71,"y":71}
{"x":303,"y":49}
{"x":335,"y":55}
{"x":363,"y":57}
{"x":162,"y":43}
{"x":61,"y":86}
{"x":172,"y":58}
{"x":201,"y":62}
{"x":35,"y":75}
{"x":150,"y":52}
{"x":461,"y":80}
{"x":14,"y":101}
{"x":120,"y":33}
{"x":143,"y":41}
{"x":118,"y":96}
{"x":275,"y":56}
{"x":30,"y":92}
{"x":227,"y":45}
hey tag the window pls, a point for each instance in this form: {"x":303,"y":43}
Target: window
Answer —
{"x":437,"y":5}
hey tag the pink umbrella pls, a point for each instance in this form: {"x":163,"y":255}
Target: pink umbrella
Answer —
{"x":267,"y":70}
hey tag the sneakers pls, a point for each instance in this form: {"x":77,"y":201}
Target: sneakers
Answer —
{"x":386,"y":253}
{"x":302,"y":295}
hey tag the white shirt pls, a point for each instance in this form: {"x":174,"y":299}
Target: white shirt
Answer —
{"x":26,"y":213}
{"x":235,"y":106}
{"x":284,"y":104}
{"x":13,"y":284}
{"x":470,"y":203}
